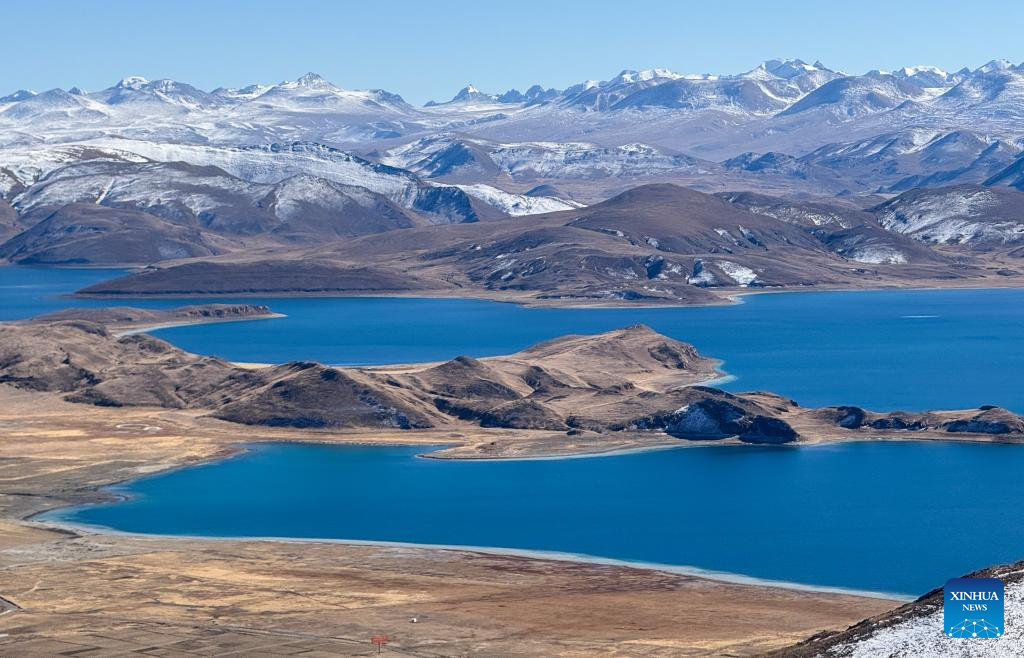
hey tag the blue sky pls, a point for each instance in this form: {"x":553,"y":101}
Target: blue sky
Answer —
{"x":429,"y":49}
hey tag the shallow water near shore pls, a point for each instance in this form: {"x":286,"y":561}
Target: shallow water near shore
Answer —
{"x":884,"y":350}
{"x":878,"y":516}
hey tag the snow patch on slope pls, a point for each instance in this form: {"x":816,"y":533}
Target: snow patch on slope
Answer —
{"x":517,"y":205}
{"x":738,"y":273}
{"x":877,"y":255}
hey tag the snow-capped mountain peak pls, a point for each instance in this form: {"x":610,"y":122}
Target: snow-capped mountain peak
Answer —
{"x":313,"y":81}
{"x":471,"y":97}
{"x":470,"y":93}
{"x":19,"y":95}
{"x":645,"y":75}
{"x":995,"y":65}
{"x":133,"y":82}
{"x":790,"y":68}
{"x":242,"y":93}
{"x":910,"y":71}
{"x":310,"y":82}
{"x":929,"y":77}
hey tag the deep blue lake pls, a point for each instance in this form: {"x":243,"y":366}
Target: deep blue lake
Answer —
{"x":885,"y":350}
{"x":891,"y":517}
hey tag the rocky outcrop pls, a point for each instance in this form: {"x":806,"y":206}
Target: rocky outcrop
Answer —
{"x":991,"y":420}
{"x":522,"y":414}
{"x":986,"y":420}
{"x":715,"y":414}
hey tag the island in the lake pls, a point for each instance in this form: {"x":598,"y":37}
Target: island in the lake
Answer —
{"x":87,"y":403}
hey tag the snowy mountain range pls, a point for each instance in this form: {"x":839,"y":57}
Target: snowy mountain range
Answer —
{"x":271,"y":164}
{"x":312,"y":109}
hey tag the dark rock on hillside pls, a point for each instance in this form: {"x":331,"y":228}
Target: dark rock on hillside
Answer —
{"x":987,"y":420}
{"x":546,"y":190}
{"x":992,"y":420}
{"x":715,"y":414}
{"x":523,"y":414}
{"x":9,"y":224}
{"x":462,"y":159}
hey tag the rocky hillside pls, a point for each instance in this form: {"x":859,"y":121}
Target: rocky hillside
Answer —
{"x":969,"y":215}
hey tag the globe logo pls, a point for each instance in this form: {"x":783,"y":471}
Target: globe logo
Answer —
{"x":974,"y":628}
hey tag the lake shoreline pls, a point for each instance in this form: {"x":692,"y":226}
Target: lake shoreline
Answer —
{"x":530,"y":554}
{"x":77,"y":451}
{"x":53,"y":518}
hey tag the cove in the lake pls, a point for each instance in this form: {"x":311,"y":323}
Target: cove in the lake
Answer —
{"x":830,"y":515}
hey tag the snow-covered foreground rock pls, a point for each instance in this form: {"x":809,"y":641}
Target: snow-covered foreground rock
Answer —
{"x":922,"y":637}
{"x":915,"y":630}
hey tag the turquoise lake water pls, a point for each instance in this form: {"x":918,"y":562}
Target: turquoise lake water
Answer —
{"x":877,"y":516}
{"x":884,"y":350}
{"x":892,"y":517}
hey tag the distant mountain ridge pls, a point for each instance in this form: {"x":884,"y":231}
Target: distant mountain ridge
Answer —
{"x":774,"y":87}
{"x":888,"y":169}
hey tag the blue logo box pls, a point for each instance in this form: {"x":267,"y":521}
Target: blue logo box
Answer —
{"x":974,"y":608}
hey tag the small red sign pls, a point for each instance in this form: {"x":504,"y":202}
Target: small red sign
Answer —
{"x":379,"y":640}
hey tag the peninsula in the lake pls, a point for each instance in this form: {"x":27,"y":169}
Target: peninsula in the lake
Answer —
{"x":626,"y":388}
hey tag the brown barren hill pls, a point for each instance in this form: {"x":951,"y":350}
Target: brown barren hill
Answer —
{"x":629,"y":385}
{"x":658,"y":243}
